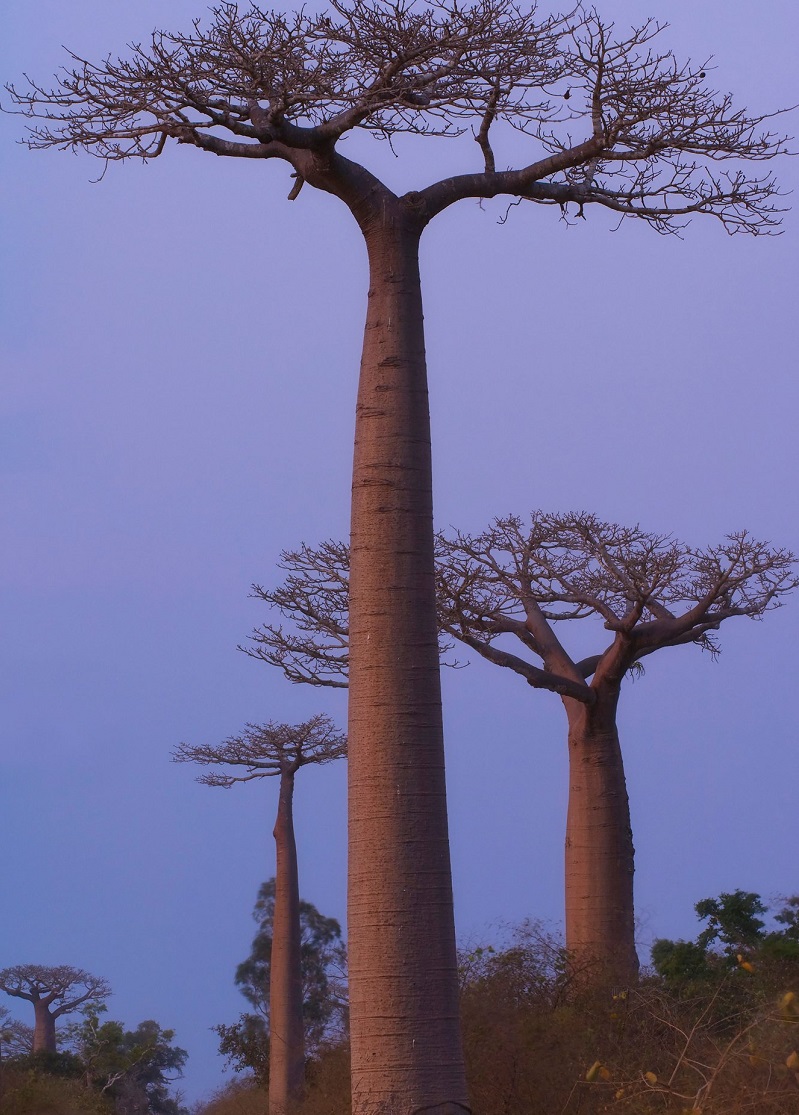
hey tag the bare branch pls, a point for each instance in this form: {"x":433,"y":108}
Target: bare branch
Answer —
{"x":314,"y":598}
{"x":62,"y":988}
{"x":517,"y":581}
{"x":648,"y":589}
{"x":265,"y":750}
{"x":605,"y":119}
{"x":538,"y":679}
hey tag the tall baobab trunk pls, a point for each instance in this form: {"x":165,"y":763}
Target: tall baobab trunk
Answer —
{"x":600,"y":924}
{"x":406,"y":1049}
{"x":44,"y":1027}
{"x":286,"y":1029}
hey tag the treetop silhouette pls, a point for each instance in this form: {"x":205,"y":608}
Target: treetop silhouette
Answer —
{"x":265,"y":750}
{"x":649,"y":590}
{"x":261,"y":84}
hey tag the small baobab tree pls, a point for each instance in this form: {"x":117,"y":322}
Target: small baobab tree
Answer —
{"x":54,"y":992}
{"x":516,"y":584}
{"x":583,"y":117}
{"x":277,"y":751}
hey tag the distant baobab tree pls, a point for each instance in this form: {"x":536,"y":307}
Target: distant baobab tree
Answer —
{"x":53,"y":992}
{"x":264,"y":751}
{"x":585,"y":118}
{"x":515,"y":582}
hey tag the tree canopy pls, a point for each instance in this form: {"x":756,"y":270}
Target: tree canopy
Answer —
{"x":324,"y":965}
{"x":653,"y":135}
{"x":135,"y":1067}
{"x":648,"y":590}
{"x":518,"y":579}
{"x":266,"y":749}
{"x":734,"y":940}
{"x":62,"y":989}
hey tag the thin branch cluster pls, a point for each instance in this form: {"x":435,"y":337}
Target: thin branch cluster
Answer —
{"x":265,"y":750}
{"x":611,"y":119}
{"x":315,"y":598}
{"x":576,"y":565}
{"x":522,"y":579}
{"x":313,"y":647}
{"x":61,"y":988}
{"x":649,"y":590}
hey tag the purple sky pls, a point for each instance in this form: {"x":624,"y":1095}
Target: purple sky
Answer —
{"x":180,"y":348}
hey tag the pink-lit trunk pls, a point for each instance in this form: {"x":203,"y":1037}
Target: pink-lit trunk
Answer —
{"x":44,"y":1028}
{"x":406,"y":1049}
{"x":600,"y":923}
{"x":286,"y":1030}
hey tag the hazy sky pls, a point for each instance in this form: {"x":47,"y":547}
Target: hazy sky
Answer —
{"x":180,"y":349}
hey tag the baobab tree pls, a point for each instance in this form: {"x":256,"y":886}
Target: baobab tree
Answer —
{"x":518,"y":581}
{"x":53,"y":992}
{"x":585,"y":118}
{"x":268,"y":751}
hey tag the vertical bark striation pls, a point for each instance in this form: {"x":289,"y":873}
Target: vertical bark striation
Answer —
{"x":406,"y":1051}
{"x":600,"y":925}
{"x":286,"y":1029}
{"x":44,"y":1028}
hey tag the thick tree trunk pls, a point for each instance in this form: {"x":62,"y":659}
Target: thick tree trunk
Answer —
{"x":406,"y":1049}
{"x":286,"y":1030}
{"x":44,"y":1028}
{"x":600,"y":925}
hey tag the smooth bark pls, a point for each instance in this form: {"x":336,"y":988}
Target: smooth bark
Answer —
{"x":286,"y":1029}
{"x":44,"y":1028}
{"x":406,"y":1048}
{"x":599,"y":861}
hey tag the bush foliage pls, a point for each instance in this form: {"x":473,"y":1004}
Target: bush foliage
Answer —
{"x":713,"y":1027}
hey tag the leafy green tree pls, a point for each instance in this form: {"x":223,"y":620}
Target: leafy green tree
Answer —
{"x":789,"y":917}
{"x":245,"y":1046}
{"x":135,"y":1067}
{"x":734,"y":939}
{"x":323,"y":964}
{"x":681,"y":964}
{"x":732,"y":922}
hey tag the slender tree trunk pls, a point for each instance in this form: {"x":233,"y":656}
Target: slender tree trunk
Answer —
{"x":406,"y":1048}
{"x":286,"y":1030}
{"x":44,"y":1028}
{"x":600,"y":924}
